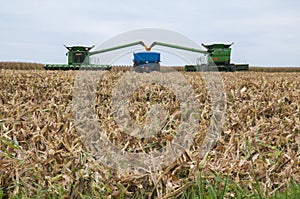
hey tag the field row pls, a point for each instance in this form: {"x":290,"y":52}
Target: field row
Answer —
{"x":42,"y":153}
{"x":38,"y":66}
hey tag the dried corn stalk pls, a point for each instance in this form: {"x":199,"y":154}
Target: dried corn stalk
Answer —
{"x":40,"y":148}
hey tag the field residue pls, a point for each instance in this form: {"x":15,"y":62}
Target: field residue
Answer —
{"x":41,"y":151}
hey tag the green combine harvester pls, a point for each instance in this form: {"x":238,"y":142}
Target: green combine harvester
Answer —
{"x":218,"y":58}
{"x":78,"y":58}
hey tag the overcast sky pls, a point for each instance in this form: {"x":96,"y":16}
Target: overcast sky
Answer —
{"x":264,"y":32}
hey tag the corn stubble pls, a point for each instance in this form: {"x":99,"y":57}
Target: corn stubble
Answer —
{"x":42,"y":155}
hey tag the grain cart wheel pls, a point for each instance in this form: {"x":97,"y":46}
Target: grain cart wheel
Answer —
{"x":157,"y":67}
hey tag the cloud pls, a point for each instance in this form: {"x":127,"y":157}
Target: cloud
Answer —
{"x":262,"y":30}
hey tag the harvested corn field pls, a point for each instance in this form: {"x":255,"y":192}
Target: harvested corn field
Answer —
{"x":42,"y":154}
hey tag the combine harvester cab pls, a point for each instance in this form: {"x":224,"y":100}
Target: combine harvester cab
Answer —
{"x":219,"y":55}
{"x":78,"y":58}
{"x":146,"y":61}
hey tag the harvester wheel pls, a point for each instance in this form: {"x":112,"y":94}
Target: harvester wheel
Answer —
{"x":232,"y":68}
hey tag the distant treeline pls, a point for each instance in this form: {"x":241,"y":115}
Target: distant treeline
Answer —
{"x":127,"y":68}
{"x":251,"y":68}
{"x":21,"y":66}
{"x":39,"y":66}
{"x":274,"y":69}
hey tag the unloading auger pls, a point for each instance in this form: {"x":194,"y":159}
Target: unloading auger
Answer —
{"x":146,"y":61}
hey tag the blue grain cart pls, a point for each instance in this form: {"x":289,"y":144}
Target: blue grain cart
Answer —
{"x":146,"y":61}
